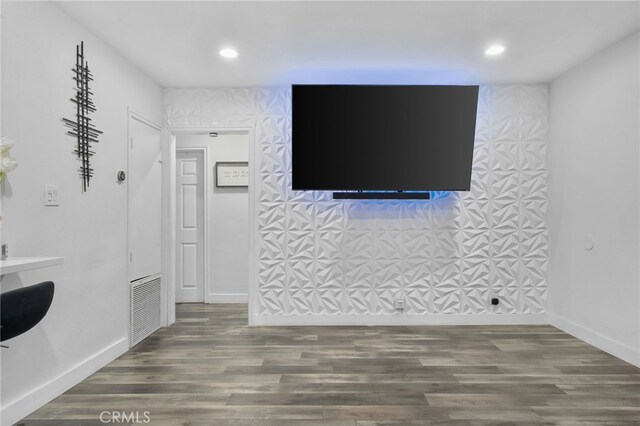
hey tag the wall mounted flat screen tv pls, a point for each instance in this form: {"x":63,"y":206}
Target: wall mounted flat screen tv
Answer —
{"x":383,"y":138}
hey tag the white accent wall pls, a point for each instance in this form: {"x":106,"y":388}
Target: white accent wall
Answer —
{"x":595,"y":190}
{"x":319,"y":261}
{"x":87,"y":325}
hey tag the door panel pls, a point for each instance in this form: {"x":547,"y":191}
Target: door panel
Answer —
{"x":145,"y":189}
{"x":190,"y":222}
{"x":189,"y":265}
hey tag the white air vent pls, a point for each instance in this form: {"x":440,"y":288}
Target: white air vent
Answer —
{"x":145,"y":307}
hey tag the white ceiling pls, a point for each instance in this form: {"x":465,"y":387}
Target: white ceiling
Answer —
{"x":281,"y":43}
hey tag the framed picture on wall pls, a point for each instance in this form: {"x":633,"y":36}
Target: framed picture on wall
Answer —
{"x":232,"y":174}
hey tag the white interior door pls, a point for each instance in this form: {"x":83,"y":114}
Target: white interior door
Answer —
{"x":145,"y":198}
{"x":190,"y":226}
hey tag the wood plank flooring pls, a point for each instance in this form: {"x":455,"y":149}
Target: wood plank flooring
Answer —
{"x":211,"y":369}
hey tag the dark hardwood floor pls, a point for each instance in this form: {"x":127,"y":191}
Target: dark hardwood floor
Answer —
{"x":211,"y":369}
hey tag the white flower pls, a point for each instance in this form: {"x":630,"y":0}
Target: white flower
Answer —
{"x":7,"y":163}
{"x":6,"y":144}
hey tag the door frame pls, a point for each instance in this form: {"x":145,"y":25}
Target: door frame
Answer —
{"x":170,"y":210}
{"x":206,"y":227}
{"x":133,"y":114}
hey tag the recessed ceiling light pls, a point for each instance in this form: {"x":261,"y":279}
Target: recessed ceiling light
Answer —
{"x":229,"y":53}
{"x":496,"y":49}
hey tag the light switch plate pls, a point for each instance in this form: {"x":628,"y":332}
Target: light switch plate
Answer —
{"x":51,"y":195}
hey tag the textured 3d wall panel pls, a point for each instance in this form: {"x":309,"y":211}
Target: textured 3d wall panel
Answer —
{"x":445,"y":256}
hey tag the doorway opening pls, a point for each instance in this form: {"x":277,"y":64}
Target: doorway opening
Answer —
{"x":212,"y":244}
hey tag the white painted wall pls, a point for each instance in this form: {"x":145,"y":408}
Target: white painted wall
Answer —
{"x":87,"y":325}
{"x":228,"y":256}
{"x":594,"y":190}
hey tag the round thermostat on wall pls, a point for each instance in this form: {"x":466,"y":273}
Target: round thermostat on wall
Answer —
{"x":589,"y":242}
{"x":121,"y":176}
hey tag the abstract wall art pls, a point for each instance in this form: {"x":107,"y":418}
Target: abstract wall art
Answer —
{"x":82,"y":129}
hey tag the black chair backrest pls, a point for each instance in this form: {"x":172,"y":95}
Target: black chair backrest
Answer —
{"x":23,"y":308}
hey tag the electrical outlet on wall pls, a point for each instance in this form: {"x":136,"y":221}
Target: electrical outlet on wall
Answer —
{"x":399,"y":303}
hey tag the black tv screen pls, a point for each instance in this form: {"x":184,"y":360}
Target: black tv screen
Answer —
{"x":395,"y":138}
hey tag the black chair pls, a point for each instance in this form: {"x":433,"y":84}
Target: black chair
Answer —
{"x":23,"y":308}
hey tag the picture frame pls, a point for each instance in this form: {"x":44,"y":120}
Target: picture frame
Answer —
{"x":232,"y":174}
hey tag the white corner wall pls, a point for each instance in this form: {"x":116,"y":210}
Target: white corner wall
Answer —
{"x":595,"y":190}
{"x":319,"y":261}
{"x":87,"y":325}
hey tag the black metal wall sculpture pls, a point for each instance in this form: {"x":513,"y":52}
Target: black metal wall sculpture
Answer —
{"x":81,"y":129}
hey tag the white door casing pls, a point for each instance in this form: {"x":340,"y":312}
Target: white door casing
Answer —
{"x":169,"y":228}
{"x":190,"y":233}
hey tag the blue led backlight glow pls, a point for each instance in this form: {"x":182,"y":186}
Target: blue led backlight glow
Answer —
{"x":347,"y":74}
{"x":433,"y":196}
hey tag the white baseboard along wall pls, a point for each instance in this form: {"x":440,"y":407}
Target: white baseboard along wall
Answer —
{"x":228,"y":298}
{"x":25,"y":404}
{"x":613,"y":347}
{"x":400,"y":319}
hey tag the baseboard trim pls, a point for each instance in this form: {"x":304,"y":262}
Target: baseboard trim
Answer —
{"x":21,"y":407}
{"x":228,"y":298}
{"x":619,"y":350}
{"x":408,"y":319}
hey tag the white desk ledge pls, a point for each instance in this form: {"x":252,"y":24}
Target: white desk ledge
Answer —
{"x":18,"y":264}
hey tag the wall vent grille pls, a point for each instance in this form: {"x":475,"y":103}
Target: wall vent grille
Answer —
{"x":145,"y":307}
